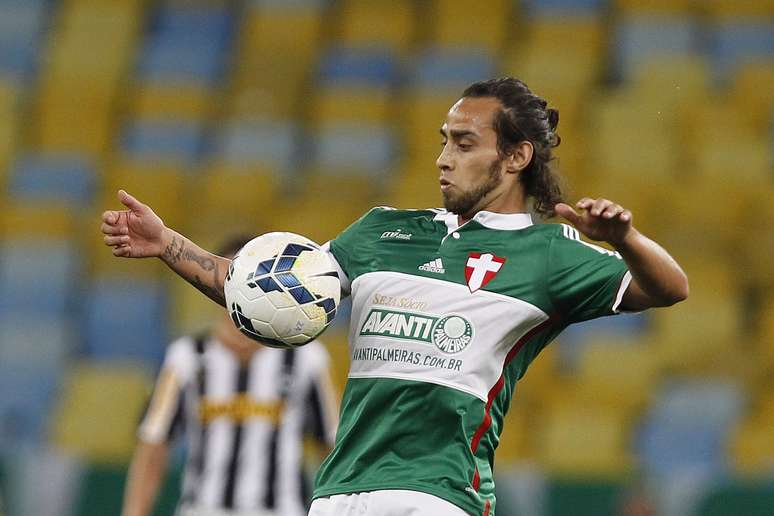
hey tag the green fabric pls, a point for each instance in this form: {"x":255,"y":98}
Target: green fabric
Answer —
{"x":402,"y":434}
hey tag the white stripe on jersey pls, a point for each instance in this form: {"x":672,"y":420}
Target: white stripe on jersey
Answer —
{"x":573,"y":234}
{"x":254,"y":417}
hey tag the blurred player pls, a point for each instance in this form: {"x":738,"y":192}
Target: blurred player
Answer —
{"x":449,"y":307}
{"x":243,"y":409}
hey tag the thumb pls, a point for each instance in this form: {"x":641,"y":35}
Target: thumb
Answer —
{"x":129,"y":201}
{"x":566,"y":211}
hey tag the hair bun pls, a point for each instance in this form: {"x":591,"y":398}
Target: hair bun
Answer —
{"x":553,"y":119}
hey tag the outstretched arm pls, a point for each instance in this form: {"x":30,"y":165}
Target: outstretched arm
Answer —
{"x":138,"y":232}
{"x":657,"y":279}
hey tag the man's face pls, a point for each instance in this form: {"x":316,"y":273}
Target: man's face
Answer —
{"x":470,"y":166}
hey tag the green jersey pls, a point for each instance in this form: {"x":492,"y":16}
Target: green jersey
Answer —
{"x":445,"y":320}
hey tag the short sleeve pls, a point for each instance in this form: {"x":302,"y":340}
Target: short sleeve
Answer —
{"x":585,"y":281}
{"x":163,"y":418}
{"x":343,"y":248}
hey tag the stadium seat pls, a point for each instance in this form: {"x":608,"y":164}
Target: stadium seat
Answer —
{"x":546,"y":8}
{"x":9,"y":112}
{"x":349,"y":149}
{"x":68,"y":178}
{"x":455,"y":22}
{"x":180,"y":102}
{"x":616,"y":374}
{"x":753,"y":93}
{"x":645,"y":37}
{"x":100,"y":405}
{"x":751,"y":447}
{"x":125,"y":319}
{"x":585,"y":441}
{"x":187,"y":45}
{"x":738,"y":8}
{"x":38,"y":276}
{"x":163,"y":140}
{"x":447,"y":71}
{"x":21,"y":30}
{"x":377,"y":23}
{"x":688,"y":425}
{"x":27,"y":344}
{"x":422,"y":115}
{"x":26,"y":397}
{"x":267,"y":144}
{"x":680,"y":7}
{"x":25,"y":221}
{"x":345,"y":104}
{"x":358,"y":67}
{"x":735,"y":42}
{"x":673,"y":79}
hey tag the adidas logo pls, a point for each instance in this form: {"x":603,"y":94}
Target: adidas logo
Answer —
{"x":435,"y":266}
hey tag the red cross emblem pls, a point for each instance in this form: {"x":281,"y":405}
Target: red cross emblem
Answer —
{"x":481,"y":268}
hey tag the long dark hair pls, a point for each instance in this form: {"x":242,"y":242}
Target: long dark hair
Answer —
{"x":526,"y":117}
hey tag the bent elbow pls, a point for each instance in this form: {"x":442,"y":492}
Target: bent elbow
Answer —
{"x":679,"y":293}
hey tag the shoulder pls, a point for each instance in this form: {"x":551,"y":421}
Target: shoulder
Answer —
{"x":182,"y":355}
{"x":390,"y":214}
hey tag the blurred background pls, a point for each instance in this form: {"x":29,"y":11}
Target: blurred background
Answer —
{"x":256,"y":115}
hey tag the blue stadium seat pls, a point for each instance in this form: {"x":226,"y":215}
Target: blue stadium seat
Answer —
{"x":564,"y":7}
{"x":21,"y":27}
{"x":735,"y":43}
{"x":356,"y":149}
{"x":126,"y":319}
{"x":164,"y":140}
{"x":187,"y":45}
{"x":26,"y":397}
{"x":643,"y":38}
{"x":688,"y":426}
{"x":440,"y":70}
{"x":259,"y":142}
{"x":272,"y":5}
{"x":67,"y":178}
{"x":29,"y":342}
{"x":39,"y":277}
{"x":357,"y":67}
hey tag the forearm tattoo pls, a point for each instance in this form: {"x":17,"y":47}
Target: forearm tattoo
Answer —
{"x":176,"y":253}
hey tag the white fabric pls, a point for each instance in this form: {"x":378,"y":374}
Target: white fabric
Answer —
{"x":387,"y":502}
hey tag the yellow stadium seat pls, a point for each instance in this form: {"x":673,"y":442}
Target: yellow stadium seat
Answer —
{"x":699,"y":334}
{"x":418,"y":190}
{"x":179,"y":102}
{"x":422,"y":118}
{"x":626,"y":386}
{"x":548,"y":35}
{"x":671,"y":79}
{"x":38,"y":220}
{"x":456,"y":23}
{"x":585,"y":441}
{"x":228,"y":193}
{"x":379,"y":23}
{"x":737,"y":8}
{"x":335,"y":104}
{"x":8,"y":127}
{"x":753,"y":93}
{"x":190,"y":311}
{"x":335,"y":341}
{"x":633,"y":138}
{"x":98,"y":411}
{"x":751,"y":447}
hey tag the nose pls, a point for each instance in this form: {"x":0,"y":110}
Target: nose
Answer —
{"x":444,"y":161}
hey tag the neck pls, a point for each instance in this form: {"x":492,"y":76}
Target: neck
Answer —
{"x":236,"y":342}
{"x":508,"y":201}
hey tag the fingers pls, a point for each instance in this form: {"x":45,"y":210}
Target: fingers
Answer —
{"x":123,"y":250}
{"x":116,"y":240}
{"x":603,"y":208}
{"x":567,"y":212}
{"x":129,"y":201}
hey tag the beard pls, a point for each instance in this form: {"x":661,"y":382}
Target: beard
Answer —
{"x":464,"y":203}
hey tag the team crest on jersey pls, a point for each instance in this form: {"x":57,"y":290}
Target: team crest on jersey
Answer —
{"x":481,"y":268}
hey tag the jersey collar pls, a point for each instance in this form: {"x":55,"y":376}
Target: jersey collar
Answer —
{"x":488,"y":219}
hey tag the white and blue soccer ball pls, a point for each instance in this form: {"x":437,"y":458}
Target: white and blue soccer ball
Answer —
{"x":282,"y":290}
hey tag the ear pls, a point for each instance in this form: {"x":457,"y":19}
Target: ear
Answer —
{"x":520,"y":157}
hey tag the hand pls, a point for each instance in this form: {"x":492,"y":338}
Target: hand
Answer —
{"x":134,"y":233}
{"x":600,"y":219}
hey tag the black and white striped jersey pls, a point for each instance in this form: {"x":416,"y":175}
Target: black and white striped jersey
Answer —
{"x":244,"y":423}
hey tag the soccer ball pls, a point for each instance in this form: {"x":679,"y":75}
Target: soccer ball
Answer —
{"x":282,"y":290}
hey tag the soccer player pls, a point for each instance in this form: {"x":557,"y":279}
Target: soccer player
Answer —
{"x":243,"y":410}
{"x":450,"y":306}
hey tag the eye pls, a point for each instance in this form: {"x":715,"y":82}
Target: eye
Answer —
{"x":464,"y":147}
